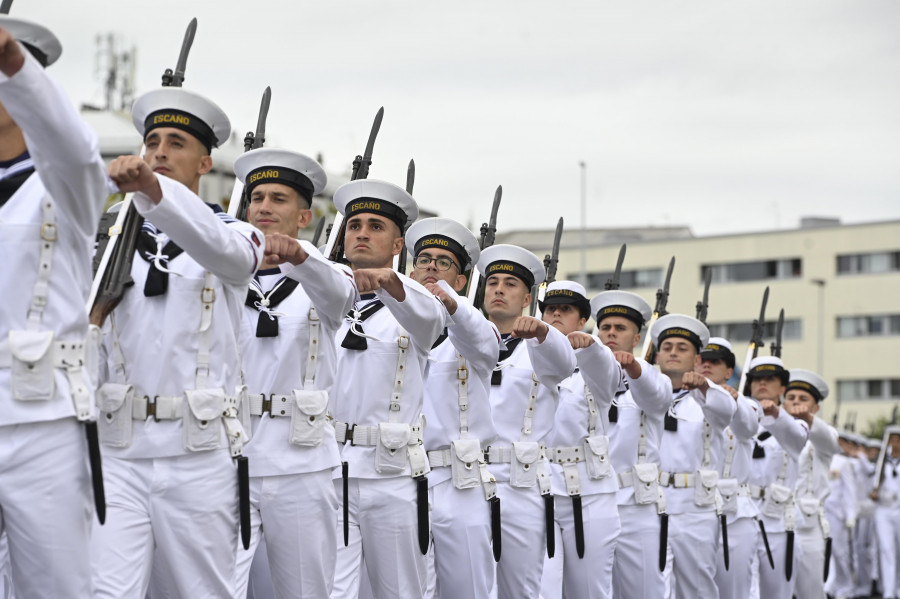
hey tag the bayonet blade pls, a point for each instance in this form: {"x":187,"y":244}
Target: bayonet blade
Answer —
{"x":662,"y":297}
{"x":362,"y":163}
{"x":410,"y":176}
{"x":703,"y":305}
{"x":5,"y":6}
{"x":554,"y":255}
{"x":318,"y":233}
{"x":613,"y":283}
{"x":489,"y":229}
{"x":260,"y":138}
{"x":779,"y":329}
{"x":181,"y":65}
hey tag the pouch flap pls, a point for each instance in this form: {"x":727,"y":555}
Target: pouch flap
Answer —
{"x":467,"y":450}
{"x":728,"y":486}
{"x":708,"y":478}
{"x":111,"y":396}
{"x":599,"y":444}
{"x":394,"y":435}
{"x":779,"y":493}
{"x":311,"y":403}
{"x":809,"y":506}
{"x":646,"y":473}
{"x":206,"y":404}
{"x":527,"y":452}
{"x":30,"y":346}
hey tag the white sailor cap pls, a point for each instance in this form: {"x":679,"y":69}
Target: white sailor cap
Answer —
{"x":765,"y":366}
{"x":873,"y":443}
{"x":271,"y":165}
{"x":37,"y":39}
{"x":176,"y":107}
{"x":718,"y":348}
{"x":682,"y":326}
{"x":566,"y":292}
{"x":621,"y":303}
{"x":809,"y":381}
{"x":445,"y":234}
{"x":512,"y":260}
{"x":378,"y":197}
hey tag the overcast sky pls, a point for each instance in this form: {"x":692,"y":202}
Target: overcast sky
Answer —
{"x":724,"y":116}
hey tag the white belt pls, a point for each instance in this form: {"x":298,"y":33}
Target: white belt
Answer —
{"x":273,"y":405}
{"x":626,"y":479}
{"x":65,"y":353}
{"x":679,"y":480}
{"x":439,"y":458}
{"x":757,"y":492}
{"x":565,"y":455}
{"x":161,"y":407}
{"x":358,"y":434}
{"x":744,"y":490}
{"x":498,"y":455}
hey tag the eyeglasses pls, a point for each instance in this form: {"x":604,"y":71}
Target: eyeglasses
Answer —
{"x":423,"y":261}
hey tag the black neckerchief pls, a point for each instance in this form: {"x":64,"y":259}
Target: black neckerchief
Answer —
{"x":351,"y":339}
{"x":157,"y":282}
{"x":267,"y":323}
{"x":441,"y":338}
{"x":759,"y":451}
{"x":10,"y":184}
{"x":670,"y":422}
{"x":511,"y":344}
{"x":613,"y":408}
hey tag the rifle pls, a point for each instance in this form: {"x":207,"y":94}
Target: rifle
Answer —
{"x":334,"y":248}
{"x":756,"y":341}
{"x":318,"y":233}
{"x":662,"y":300}
{"x":703,"y":305}
{"x":775,"y":348}
{"x":410,"y":183}
{"x":613,"y":283}
{"x":475,"y":286}
{"x":550,"y":262}
{"x":5,"y":6}
{"x":239,"y":203}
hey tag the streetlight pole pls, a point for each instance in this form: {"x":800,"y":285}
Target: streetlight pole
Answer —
{"x":584,"y":277}
{"x":820,"y":355}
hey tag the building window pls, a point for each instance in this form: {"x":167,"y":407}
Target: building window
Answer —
{"x":868,"y":326}
{"x":628,"y":279}
{"x":742,"y":331}
{"x":872,"y":263}
{"x":763,"y":270}
{"x":869,"y":389}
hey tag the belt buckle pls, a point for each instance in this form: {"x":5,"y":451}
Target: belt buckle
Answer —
{"x":487,"y":454}
{"x":462,"y":373}
{"x":48,"y":232}
{"x":348,"y":436}
{"x":267,"y":404}
{"x":151,"y":407}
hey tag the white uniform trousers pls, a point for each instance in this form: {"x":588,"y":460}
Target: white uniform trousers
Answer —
{"x":840,"y":576}
{"x":636,"y":572}
{"x":887,"y":527}
{"x":552,"y":573}
{"x":693,"y":544}
{"x":187,"y":506}
{"x":260,"y":586}
{"x":590,"y":577}
{"x":46,"y":507}
{"x":865,"y":553}
{"x":811,"y":568}
{"x":5,"y":572}
{"x":297,"y":514}
{"x":461,"y":530}
{"x":523,"y":541}
{"x":384,"y":532}
{"x":743,"y":537}
{"x":772,"y":582}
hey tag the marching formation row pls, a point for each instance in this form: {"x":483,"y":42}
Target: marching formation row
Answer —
{"x":228,"y":383}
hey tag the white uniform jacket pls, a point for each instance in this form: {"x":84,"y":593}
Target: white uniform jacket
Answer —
{"x":813,"y":469}
{"x":477,"y":340}
{"x":549,"y":363}
{"x":365,"y":379}
{"x":651,"y":395}
{"x":69,"y":171}
{"x":738,"y":440}
{"x":278,"y":365}
{"x":599,"y":370}
{"x":682,"y":451}
{"x":160,"y":336}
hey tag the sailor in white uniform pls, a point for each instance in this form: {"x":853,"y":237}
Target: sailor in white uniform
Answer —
{"x":463,"y":492}
{"x":805,"y":391}
{"x":734,"y":582}
{"x":776,"y":451}
{"x":170,"y":414}
{"x":377,"y":399}
{"x":52,"y":189}
{"x":841,"y":508}
{"x":887,"y":515}
{"x":635,"y":427}
{"x":524,"y":394}
{"x":290,"y":318}
{"x":690,"y":452}
{"x":583,"y":481}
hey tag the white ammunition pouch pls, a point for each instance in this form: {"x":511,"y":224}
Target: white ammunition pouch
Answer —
{"x":646,"y":483}
{"x":705,"y":484}
{"x":201,"y":427}
{"x":115,"y":401}
{"x":523,"y":466}
{"x":728,"y":491}
{"x":308,"y":417}
{"x":32,"y":375}
{"x":596,"y":455}
{"x":390,"y":452}
{"x":809,"y":507}
{"x":466,"y":456}
{"x":777,"y":499}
